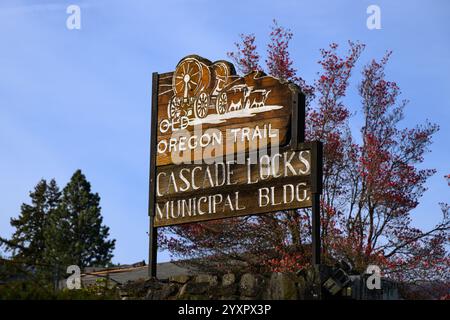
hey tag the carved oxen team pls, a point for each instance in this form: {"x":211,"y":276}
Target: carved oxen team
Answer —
{"x":201,"y":88}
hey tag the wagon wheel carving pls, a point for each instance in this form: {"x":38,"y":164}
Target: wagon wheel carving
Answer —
{"x":201,"y":105}
{"x":222,"y":102}
{"x":174,"y":108}
{"x":188,"y":78}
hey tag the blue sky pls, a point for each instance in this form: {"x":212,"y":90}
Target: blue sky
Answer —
{"x":74,"y":99}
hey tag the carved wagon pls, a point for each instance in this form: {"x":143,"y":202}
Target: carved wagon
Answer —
{"x":197,"y":85}
{"x":201,"y":87}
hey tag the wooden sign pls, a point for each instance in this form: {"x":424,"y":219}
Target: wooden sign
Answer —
{"x":192,"y":193}
{"x":224,"y":145}
{"x":203,"y":104}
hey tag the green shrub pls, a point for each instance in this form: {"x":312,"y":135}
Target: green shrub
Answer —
{"x":29,"y":290}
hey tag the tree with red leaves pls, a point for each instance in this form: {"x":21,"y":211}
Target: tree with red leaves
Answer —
{"x":370,"y":188}
{"x":279,"y":62}
{"x":246,"y":57}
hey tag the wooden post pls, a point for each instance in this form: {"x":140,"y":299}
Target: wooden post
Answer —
{"x":315,"y":228}
{"x":153,"y":249}
{"x":153,"y":231}
{"x":298,"y":120}
{"x":316,"y":191}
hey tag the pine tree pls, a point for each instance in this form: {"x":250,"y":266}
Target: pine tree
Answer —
{"x":28,"y":243}
{"x":76,"y":234}
{"x":58,"y":229}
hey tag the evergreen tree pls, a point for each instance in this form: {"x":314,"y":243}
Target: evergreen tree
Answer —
{"x":76,"y":234}
{"x":59,"y":229}
{"x":28,"y":243}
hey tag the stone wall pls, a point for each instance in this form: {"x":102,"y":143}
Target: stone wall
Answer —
{"x":275,"y":286}
{"x":305,"y":285}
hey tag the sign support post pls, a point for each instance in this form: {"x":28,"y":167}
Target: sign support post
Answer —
{"x":153,"y":247}
{"x":153,"y":231}
{"x":298,"y":136}
{"x":316,"y":191}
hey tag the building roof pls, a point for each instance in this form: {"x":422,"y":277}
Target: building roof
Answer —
{"x":122,"y":275}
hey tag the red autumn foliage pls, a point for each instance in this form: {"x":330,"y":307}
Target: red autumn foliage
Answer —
{"x":246,"y":57}
{"x":370,"y":187}
{"x":279,"y":62}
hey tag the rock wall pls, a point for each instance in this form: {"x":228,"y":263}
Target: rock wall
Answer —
{"x":306,"y":285}
{"x":275,"y":286}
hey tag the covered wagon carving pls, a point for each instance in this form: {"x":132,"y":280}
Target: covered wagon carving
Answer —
{"x":201,"y":88}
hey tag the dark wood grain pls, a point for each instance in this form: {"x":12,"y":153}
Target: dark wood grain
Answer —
{"x":247,"y":188}
{"x":177,"y":101}
{"x":243,"y":201}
